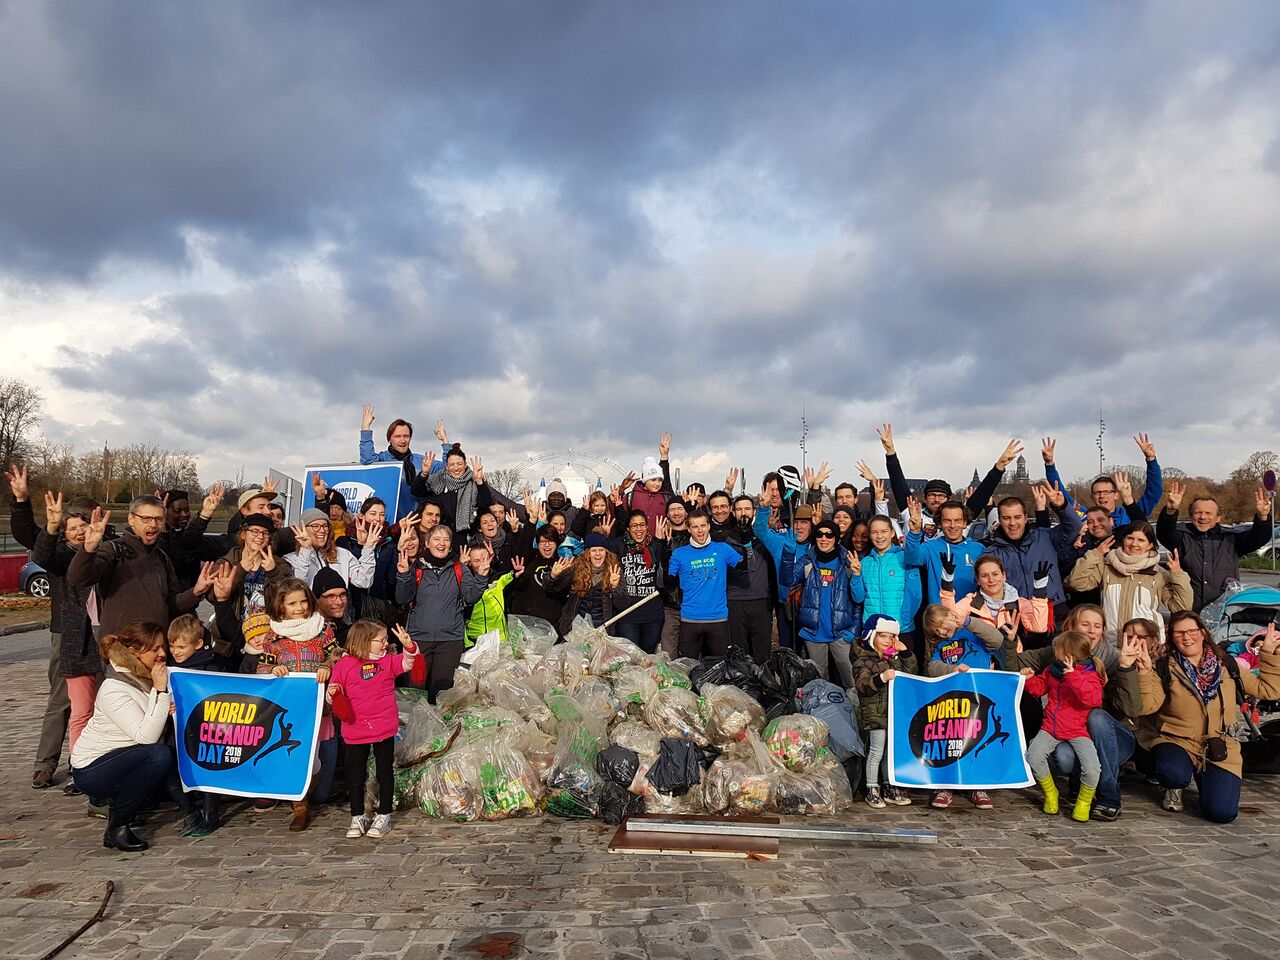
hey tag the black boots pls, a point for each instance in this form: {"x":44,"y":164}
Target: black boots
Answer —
{"x":124,"y":839}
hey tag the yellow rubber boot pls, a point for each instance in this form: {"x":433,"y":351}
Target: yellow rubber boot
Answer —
{"x":1084,"y":803}
{"x":1050,"y":793}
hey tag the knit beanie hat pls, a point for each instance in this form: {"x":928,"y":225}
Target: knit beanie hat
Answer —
{"x":327,"y":579}
{"x":937,"y":486}
{"x":595,"y":540}
{"x":650,"y":469}
{"x":557,"y":486}
{"x":255,"y":628}
{"x":311,"y":515}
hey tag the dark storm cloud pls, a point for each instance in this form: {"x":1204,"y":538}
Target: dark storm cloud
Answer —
{"x":934,"y":183}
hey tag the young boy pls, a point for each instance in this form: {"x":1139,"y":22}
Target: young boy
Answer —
{"x":189,"y":648}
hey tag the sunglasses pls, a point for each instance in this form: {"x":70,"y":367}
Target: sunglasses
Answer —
{"x":824,"y":536}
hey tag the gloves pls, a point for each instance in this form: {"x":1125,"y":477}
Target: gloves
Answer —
{"x":1040,"y":583}
{"x":948,"y":570}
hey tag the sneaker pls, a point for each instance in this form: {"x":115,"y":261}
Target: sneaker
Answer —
{"x":1172,"y":801}
{"x":874,"y":799}
{"x":262,"y":806}
{"x":381,"y":826}
{"x":359,"y":827}
{"x":980,"y":799}
{"x":897,"y":796}
{"x":42,"y":779}
{"x":941,"y":799}
{"x":1106,"y":814}
{"x":70,"y":789}
{"x":100,"y":810}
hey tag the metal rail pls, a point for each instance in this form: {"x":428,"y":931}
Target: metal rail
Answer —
{"x":783,"y":831}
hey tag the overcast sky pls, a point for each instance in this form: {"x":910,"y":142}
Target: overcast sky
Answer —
{"x":225,"y":226}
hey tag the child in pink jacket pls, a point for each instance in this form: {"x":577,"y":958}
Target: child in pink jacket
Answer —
{"x":365,"y":678}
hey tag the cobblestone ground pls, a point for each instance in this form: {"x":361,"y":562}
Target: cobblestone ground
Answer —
{"x":1003,"y":884}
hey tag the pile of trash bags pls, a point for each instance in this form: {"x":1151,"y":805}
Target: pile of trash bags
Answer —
{"x":596,"y":728}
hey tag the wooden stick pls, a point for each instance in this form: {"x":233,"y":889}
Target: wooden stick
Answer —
{"x":635,"y":606}
{"x":106,"y":897}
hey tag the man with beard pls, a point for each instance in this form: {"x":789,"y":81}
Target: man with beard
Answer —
{"x":333,"y":602}
{"x":1098,"y":525}
{"x":399,"y":436}
{"x":135,"y":579}
{"x":752,"y":590}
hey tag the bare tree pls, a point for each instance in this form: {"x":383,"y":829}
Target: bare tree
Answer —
{"x":19,"y":414}
{"x":508,"y":481}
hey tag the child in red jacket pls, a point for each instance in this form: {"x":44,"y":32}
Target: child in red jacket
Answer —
{"x":1072,"y":686}
{"x":363,"y":692}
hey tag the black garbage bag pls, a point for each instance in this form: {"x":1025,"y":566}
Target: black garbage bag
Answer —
{"x":854,"y":768}
{"x":707,"y":756}
{"x":735,"y":669}
{"x":677,"y":769}
{"x":617,"y":803}
{"x":783,"y":674}
{"x":617,"y":765}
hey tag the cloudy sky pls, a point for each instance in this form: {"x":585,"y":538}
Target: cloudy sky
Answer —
{"x":225,"y":226}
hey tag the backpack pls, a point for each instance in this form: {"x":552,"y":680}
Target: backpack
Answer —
{"x":796,"y":594}
{"x":417,"y":581}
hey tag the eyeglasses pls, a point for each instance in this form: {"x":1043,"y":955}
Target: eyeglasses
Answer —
{"x":1186,"y":634}
{"x":149,"y":521}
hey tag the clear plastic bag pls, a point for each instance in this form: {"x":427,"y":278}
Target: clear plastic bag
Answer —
{"x":596,"y":699}
{"x":573,"y":786}
{"x":421,"y":732}
{"x":822,"y":790}
{"x":634,"y":687}
{"x":562,"y":669}
{"x":728,"y":711}
{"x":509,"y":686}
{"x":611,"y":654}
{"x":675,"y":713}
{"x":489,"y":723}
{"x":508,"y":785}
{"x":796,"y":741}
{"x":670,"y":673}
{"x":458,"y":697}
{"x":528,"y":636}
{"x":450,"y":789}
{"x":744,"y":779}
{"x":636,"y":736}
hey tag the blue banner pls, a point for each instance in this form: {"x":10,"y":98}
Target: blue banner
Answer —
{"x":359,"y":481}
{"x":958,"y":732}
{"x":246,"y":735}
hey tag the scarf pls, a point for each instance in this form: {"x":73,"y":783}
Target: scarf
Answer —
{"x":406,"y":462}
{"x":1206,"y":678}
{"x":303,"y":629}
{"x":464,"y":488}
{"x":129,"y":669}
{"x":1126,"y":565}
{"x":994,"y":606}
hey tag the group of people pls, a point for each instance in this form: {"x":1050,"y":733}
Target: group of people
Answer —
{"x":1119,"y":665}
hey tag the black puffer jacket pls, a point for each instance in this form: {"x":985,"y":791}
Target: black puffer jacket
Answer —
{"x":1210,"y":558}
{"x":78,"y":654}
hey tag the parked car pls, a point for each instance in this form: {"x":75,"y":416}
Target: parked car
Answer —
{"x":33,"y":580}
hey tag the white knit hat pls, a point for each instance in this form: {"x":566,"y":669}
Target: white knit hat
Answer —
{"x":650,"y":470}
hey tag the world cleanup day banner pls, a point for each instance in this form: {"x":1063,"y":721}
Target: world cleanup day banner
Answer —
{"x":246,"y":735}
{"x":359,"y":481}
{"x":958,"y":732}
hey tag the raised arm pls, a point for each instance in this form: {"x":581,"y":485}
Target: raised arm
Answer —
{"x":981,"y":496}
{"x":1154,"y":489}
{"x":1048,"y":448}
{"x":897,"y":479}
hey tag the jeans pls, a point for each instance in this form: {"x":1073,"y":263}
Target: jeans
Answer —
{"x":1115,"y":744}
{"x":1083,"y":752}
{"x":1219,"y":789}
{"x":643,"y":635}
{"x":327,"y":754}
{"x":127,"y":778}
{"x":877,"y":756}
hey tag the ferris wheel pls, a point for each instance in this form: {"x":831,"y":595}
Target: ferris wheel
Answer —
{"x":547,"y":465}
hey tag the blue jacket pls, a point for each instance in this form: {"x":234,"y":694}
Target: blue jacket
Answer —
{"x":926,"y":555}
{"x":891,"y":587}
{"x":408,"y":502}
{"x":843,"y":596}
{"x":1151,"y":494}
{"x":775,"y":542}
{"x":1038,"y":545}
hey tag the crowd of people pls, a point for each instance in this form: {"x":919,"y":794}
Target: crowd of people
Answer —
{"x":1120,"y":668}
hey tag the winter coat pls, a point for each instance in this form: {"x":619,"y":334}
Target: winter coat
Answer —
{"x":1031,"y":615}
{"x":654,"y":505}
{"x":845,"y":597}
{"x":368,"y":454}
{"x":490,"y":611}
{"x":133,"y":582}
{"x":892,"y":588}
{"x":974,"y":645}
{"x":1069,"y":698}
{"x":127,"y":711}
{"x":439,"y":596}
{"x":228,"y":639}
{"x":447,"y":501}
{"x":926,"y":556}
{"x":355,"y":569}
{"x":78,"y":649}
{"x":873,"y":689}
{"x":1126,"y":596}
{"x":1210,"y":558}
{"x":776,"y":542}
{"x":1183,"y":719}
{"x":370,"y":685}
{"x":1037,"y":545}
{"x":612,"y":601}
